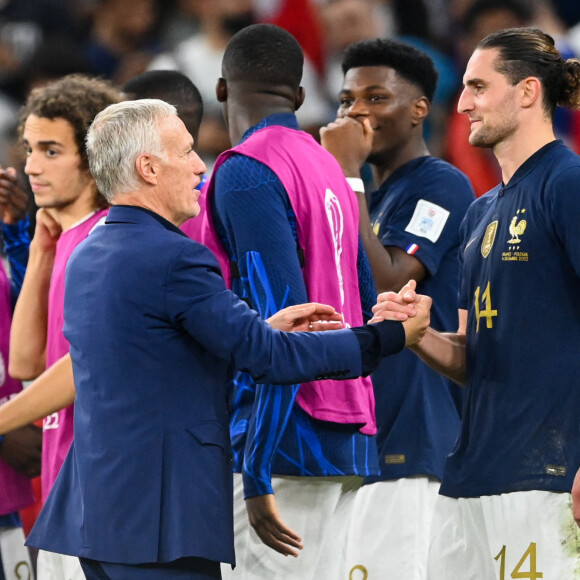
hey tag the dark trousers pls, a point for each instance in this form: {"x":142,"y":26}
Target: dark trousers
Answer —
{"x":182,"y":569}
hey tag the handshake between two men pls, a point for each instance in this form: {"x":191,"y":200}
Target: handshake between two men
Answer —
{"x":406,"y":306}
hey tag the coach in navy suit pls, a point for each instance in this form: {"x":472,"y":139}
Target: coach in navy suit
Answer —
{"x":145,"y":491}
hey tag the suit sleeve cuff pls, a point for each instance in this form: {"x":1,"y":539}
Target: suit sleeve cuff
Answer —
{"x":378,"y":341}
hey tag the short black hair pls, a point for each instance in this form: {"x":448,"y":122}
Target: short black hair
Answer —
{"x":168,"y":85}
{"x":264,"y":54}
{"x":407,"y":61}
{"x":173,"y":87}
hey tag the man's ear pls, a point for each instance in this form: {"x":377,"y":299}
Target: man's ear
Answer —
{"x":147,"y":168}
{"x":221,"y":90}
{"x":299,"y":98}
{"x":531,"y":91}
{"x":420,"y":109}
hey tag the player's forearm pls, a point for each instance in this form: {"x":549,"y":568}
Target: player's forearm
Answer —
{"x":50,"y":392}
{"x":388,"y":273}
{"x":379,"y":258}
{"x":30,"y":320}
{"x":444,"y":353}
{"x":270,"y":413}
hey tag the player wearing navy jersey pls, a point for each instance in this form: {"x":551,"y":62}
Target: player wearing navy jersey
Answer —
{"x":505,"y":507}
{"x":290,"y":460}
{"x":412,"y":232}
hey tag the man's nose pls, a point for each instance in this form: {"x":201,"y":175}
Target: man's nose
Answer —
{"x":199,"y":167}
{"x":357,"y":108}
{"x":465,"y":102}
{"x":32,"y":167}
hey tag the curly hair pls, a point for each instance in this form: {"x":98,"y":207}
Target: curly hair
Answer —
{"x":75,"y":98}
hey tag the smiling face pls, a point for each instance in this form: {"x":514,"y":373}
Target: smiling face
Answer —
{"x":181,"y":173}
{"x":489,"y":100}
{"x":53,"y":163}
{"x":388,"y":101}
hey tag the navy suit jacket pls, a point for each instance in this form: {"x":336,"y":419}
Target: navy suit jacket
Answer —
{"x":154,"y":336}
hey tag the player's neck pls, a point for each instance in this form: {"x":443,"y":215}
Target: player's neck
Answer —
{"x":513,"y":152}
{"x":69,"y":215}
{"x":253,"y":109}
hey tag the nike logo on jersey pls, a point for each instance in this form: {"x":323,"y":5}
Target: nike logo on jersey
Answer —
{"x":470,"y":242}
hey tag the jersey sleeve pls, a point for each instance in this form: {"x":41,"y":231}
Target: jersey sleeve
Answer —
{"x":426,"y":221}
{"x":462,"y":291}
{"x":254,"y":211}
{"x":366,"y":283}
{"x":563,"y":212}
{"x":16,"y":246}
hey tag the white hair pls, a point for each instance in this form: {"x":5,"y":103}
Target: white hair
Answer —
{"x":117,"y":136}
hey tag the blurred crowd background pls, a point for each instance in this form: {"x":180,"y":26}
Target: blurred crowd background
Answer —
{"x":41,"y":40}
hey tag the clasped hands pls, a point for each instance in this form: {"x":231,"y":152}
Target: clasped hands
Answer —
{"x":406,"y":306}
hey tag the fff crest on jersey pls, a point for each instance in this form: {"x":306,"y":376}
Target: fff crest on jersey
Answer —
{"x":517,"y":228}
{"x":488,"y":239}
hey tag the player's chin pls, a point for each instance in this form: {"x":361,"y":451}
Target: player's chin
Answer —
{"x":477,"y":140}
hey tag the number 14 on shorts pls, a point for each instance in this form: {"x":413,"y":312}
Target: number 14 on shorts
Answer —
{"x":528,"y":560}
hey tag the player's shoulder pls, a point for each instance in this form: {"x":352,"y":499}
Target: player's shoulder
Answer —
{"x":554,"y":173}
{"x":440,"y":182}
{"x":553,"y":162}
{"x":482,"y":205}
{"x":241,"y":171}
{"x":562,"y":165}
{"x":560,"y":152}
{"x":446,"y":172}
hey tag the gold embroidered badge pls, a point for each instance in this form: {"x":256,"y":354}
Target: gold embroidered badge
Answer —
{"x":488,"y":239}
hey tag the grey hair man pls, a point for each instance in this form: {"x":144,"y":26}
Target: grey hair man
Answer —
{"x":147,"y":308}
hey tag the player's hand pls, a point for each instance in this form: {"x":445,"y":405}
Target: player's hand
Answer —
{"x":13,"y":198}
{"x":350,"y":143}
{"x":21,"y":449}
{"x":396,"y":305}
{"x":304,"y":317}
{"x":266,"y":521}
{"x":47,"y":231}
{"x":576,"y":498}
{"x":416,"y":326}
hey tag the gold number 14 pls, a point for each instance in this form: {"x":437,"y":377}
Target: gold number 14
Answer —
{"x":488,"y":313}
{"x":530,"y":553}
